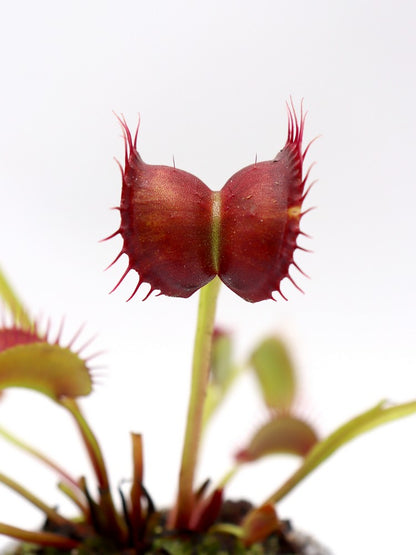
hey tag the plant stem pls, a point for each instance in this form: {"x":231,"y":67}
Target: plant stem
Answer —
{"x":228,"y":476}
{"x":91,"y":443}
{"x":13,"y":302}
{"x":137,"y":520}
{"x":40,"y":456}
{"x":70,"y":486}
{"x":111,"y":522}
{"x":67,"y":490}
{"x":364,"y":422}
{"x":52,"y":515}
{"x":201,"y":364}
{"x":47,"y":539}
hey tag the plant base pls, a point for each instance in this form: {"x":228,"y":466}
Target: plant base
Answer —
{"x":286,"y":542}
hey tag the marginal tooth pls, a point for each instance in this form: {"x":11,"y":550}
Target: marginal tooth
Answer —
{"x":295,"y":284}
{"x":122,"y":277}
{"x":115,"y":260}
{"x":111,"y":236}
{"x":300,"y":270}
{"x":135,"y":290}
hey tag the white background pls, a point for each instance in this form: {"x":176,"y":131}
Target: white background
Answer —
{"x":210,"y":80}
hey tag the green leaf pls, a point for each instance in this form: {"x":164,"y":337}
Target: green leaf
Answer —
{"x":223,"y":373}
{"x":275,"y":372}
{"x":221,"y":357}
{"x":380,"y":414}
{"x":282,"y":434}
{"x":50,"y":369}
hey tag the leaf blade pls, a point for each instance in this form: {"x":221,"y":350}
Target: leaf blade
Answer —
{"x":364,"y":422}
{"x":275,"y":372}
{"x":284,"y":434}
{"x":52,"y":370}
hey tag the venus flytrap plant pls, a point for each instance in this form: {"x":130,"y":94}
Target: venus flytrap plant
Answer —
{"x":179,"y":237}
{"x":245,"y":234}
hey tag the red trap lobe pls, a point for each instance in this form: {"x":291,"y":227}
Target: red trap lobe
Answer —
{"x":178,"y":234}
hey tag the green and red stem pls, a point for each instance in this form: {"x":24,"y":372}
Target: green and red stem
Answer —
{"x":109,"y":516}
{"x":200,"y":374}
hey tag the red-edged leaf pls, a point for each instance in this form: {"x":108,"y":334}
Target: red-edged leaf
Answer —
{"x":50,"y":369}
{"x":282,"y":434}
{"x":206,"y":511}
{"x":259,"y":524}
